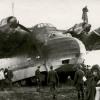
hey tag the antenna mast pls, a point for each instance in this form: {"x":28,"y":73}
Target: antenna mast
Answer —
{"x":12,"y":8}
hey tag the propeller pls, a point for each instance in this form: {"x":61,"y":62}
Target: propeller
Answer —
{"x":23,"y":43}
{"x":24,"y":28}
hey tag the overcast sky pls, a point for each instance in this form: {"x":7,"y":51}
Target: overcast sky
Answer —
{"x":61,"y":13}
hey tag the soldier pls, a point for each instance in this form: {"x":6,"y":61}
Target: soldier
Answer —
{"x":9,"y":77}
{"x":2,"y":78}
{"x":6,"y":72}
{"x":93,"y":77}
{"x":38,"y":79}
{"x":78,"y":81}
{"x":53,"y":80}
{"x":84,"y":15}
{"x":6,"y":76}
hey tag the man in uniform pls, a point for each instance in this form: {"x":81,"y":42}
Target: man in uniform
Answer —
{"x":38,"y":79}
{"x":9,"y":77}
{"x":53,"y":80}
{"x":93,"y":77}
{"x":78,"y":81}
{"x":2,"y":78}
{"x":84,"y":15}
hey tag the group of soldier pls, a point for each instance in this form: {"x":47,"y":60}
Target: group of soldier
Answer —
{"x":52,"y":80}
{"x":6,"y":76}
{"x":91,"y":78}
{"x":85,"y":81}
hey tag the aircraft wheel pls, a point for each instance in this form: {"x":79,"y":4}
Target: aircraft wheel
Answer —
{"x":23,"y":82}
{"x":17,"y":84}
{"x":33,"y":80}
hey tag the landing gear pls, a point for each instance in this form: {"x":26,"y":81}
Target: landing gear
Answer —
{"x":23,"y":82}
{"x":17,"y":84}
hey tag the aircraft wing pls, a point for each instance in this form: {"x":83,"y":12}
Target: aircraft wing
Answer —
{"x":15,"y":38}
{"x":93,"y":40}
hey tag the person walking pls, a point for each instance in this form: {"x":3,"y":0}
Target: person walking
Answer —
{"x":53,"y":80}
{"x":9,"y":77}
{"x":78,"y":82}
{"x":38,"y":78}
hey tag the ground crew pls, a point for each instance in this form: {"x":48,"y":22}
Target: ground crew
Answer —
{"x":6,"y":73}
{"x":9,"y":75}
{"x":78,"y":81}
{"x":93,"y":76}
{"x":84,"y":15}
{"x":6,"y":77}
{"x":53,"y":80}
{"x":38,"y":78}
{"x":2,"y":78}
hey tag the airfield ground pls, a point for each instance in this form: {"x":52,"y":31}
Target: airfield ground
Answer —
{"x":29,"y":93}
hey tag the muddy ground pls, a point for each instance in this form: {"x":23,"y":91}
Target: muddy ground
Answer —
{"x":29,"y":93}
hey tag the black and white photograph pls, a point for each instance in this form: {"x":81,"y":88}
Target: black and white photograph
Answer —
{"x":49,"y":50}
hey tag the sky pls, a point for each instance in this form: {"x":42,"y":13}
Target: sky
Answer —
{"x":61,"y":13}
{"x":92,"y":58}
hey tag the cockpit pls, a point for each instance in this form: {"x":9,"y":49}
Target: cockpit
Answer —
{"x":46,"y":31}
{"x":45,"y":25}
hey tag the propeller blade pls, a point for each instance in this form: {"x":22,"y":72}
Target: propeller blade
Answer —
{"x":24,"y":28}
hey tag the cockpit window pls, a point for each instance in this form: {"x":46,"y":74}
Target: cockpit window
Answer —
{"x":41,"y":25}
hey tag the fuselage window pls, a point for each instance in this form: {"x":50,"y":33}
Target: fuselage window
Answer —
{"x":65,"y":61}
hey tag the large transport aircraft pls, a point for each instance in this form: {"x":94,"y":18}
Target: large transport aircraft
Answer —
{"x":24,"y":49}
